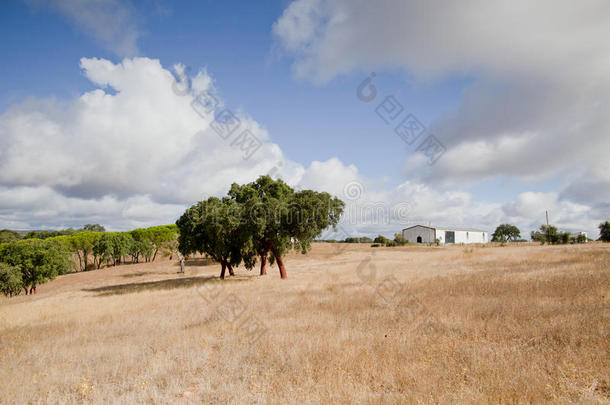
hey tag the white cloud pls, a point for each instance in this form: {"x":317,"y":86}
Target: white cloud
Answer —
{"x":133,"y":152}
{"x":540,"y":75}
{"x":111,"y":22}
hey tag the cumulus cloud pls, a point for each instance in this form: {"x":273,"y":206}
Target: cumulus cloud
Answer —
{"x":539,"y":74}
{"x":143,"y":145}
{"x":111,"y":22}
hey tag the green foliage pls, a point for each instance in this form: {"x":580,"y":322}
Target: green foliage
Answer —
{"x":94,"y":228}
{"x":38,"y":260}
{"x":604,"y":231}
{"x":261,"y":218}
{"x":161,"y":236}
{"x":102,"y":250}
{"x":376,"y":245}
{"x":215,"y":227}
{"x":7,"y":235}
{"x":279,"y":219}
{"x":399,"y":240}
{"x":550,"y":234}
{"x":48,"y":234}
{"x":581,"y":238}
{"x":380,"y":239}
{"x":11,"y":281}
{"x":506,"y":233}
{"x":363,"y":239}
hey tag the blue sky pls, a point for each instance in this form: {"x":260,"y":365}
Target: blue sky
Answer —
{"x":234,"y":42}
{"x":266,"y":63}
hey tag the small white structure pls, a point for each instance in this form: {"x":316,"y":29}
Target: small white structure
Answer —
{"x":426,"y":234}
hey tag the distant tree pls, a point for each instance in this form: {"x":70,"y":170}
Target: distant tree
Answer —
{"x":141,"y":245}
{"x":160,"y":236}
{"x":549,"y":234}
{"x":362,"y":239}
{"x":48,"y":234}
{"x":11,"y":282}
{"x":380,"y":239}
{"x":80,"y":244}
{"x":38,"y":260}
{"x":506,"y":233}
{"x":7,"y":235}
{"x":94,"y":228}
{"x":399,"y":240}
{"x":581,"y":238}
{"x":120,"y":243}
{"x":102,"y":250}
{"x":604,"y":231}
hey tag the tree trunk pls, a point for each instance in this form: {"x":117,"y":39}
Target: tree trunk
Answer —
{"x":263,"y":263}
{"x":231,"y":272}
{"x":222,"y":272}
{"x":155,"y":255}
{"x":280,"y":263}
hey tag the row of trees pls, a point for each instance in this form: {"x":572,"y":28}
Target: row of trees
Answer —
{"x":116,"y":247}
{"x":263,"y":219}
{"x":25,"y":263}
{"x":547,"y":234}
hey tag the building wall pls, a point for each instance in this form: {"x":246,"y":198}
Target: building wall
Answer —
{"x":463,"y":236}
{"x":427,"y":234}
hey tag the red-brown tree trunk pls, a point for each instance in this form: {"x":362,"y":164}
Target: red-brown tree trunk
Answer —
{"x":263,"y":263}
{"x":280,"y":263}
{"x":222,"y":272}
{"x":231,"y":273}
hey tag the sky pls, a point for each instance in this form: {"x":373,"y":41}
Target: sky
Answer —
{"x":124,"y":113}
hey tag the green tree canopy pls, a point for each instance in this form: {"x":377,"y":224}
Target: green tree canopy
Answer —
{"x":381,"y":240}
{"x":216,"y":227}
{"x":279,"y":219}
{"x":265,"y":218}
{"x":506,"y":233}
{"x":11,"y":282}
{"x":94,"y":228}
{"x":549,"y":234}
{"x":6,"y":235}
{"x":38,"y":260}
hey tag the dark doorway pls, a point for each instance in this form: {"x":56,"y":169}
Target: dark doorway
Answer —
{"x":419,"y":239}
{"x":449,"y":237}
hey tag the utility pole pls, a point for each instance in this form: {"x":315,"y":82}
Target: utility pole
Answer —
{"x":548,"y":231}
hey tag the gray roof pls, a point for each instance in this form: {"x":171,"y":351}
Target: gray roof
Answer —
{"x":447,"y":228}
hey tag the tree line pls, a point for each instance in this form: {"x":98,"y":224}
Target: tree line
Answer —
{"x":264,"y":220}
{"x":29,"y":261}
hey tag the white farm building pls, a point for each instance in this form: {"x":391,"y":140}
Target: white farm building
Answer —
{"x":426,"y":234}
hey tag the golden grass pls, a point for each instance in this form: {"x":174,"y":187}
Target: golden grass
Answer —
{"x":514,"y":324}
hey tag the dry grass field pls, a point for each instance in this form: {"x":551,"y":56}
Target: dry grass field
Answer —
{"x":351,"y":324}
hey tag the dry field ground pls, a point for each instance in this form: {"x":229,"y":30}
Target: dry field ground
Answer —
{"x":351,"y":324}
